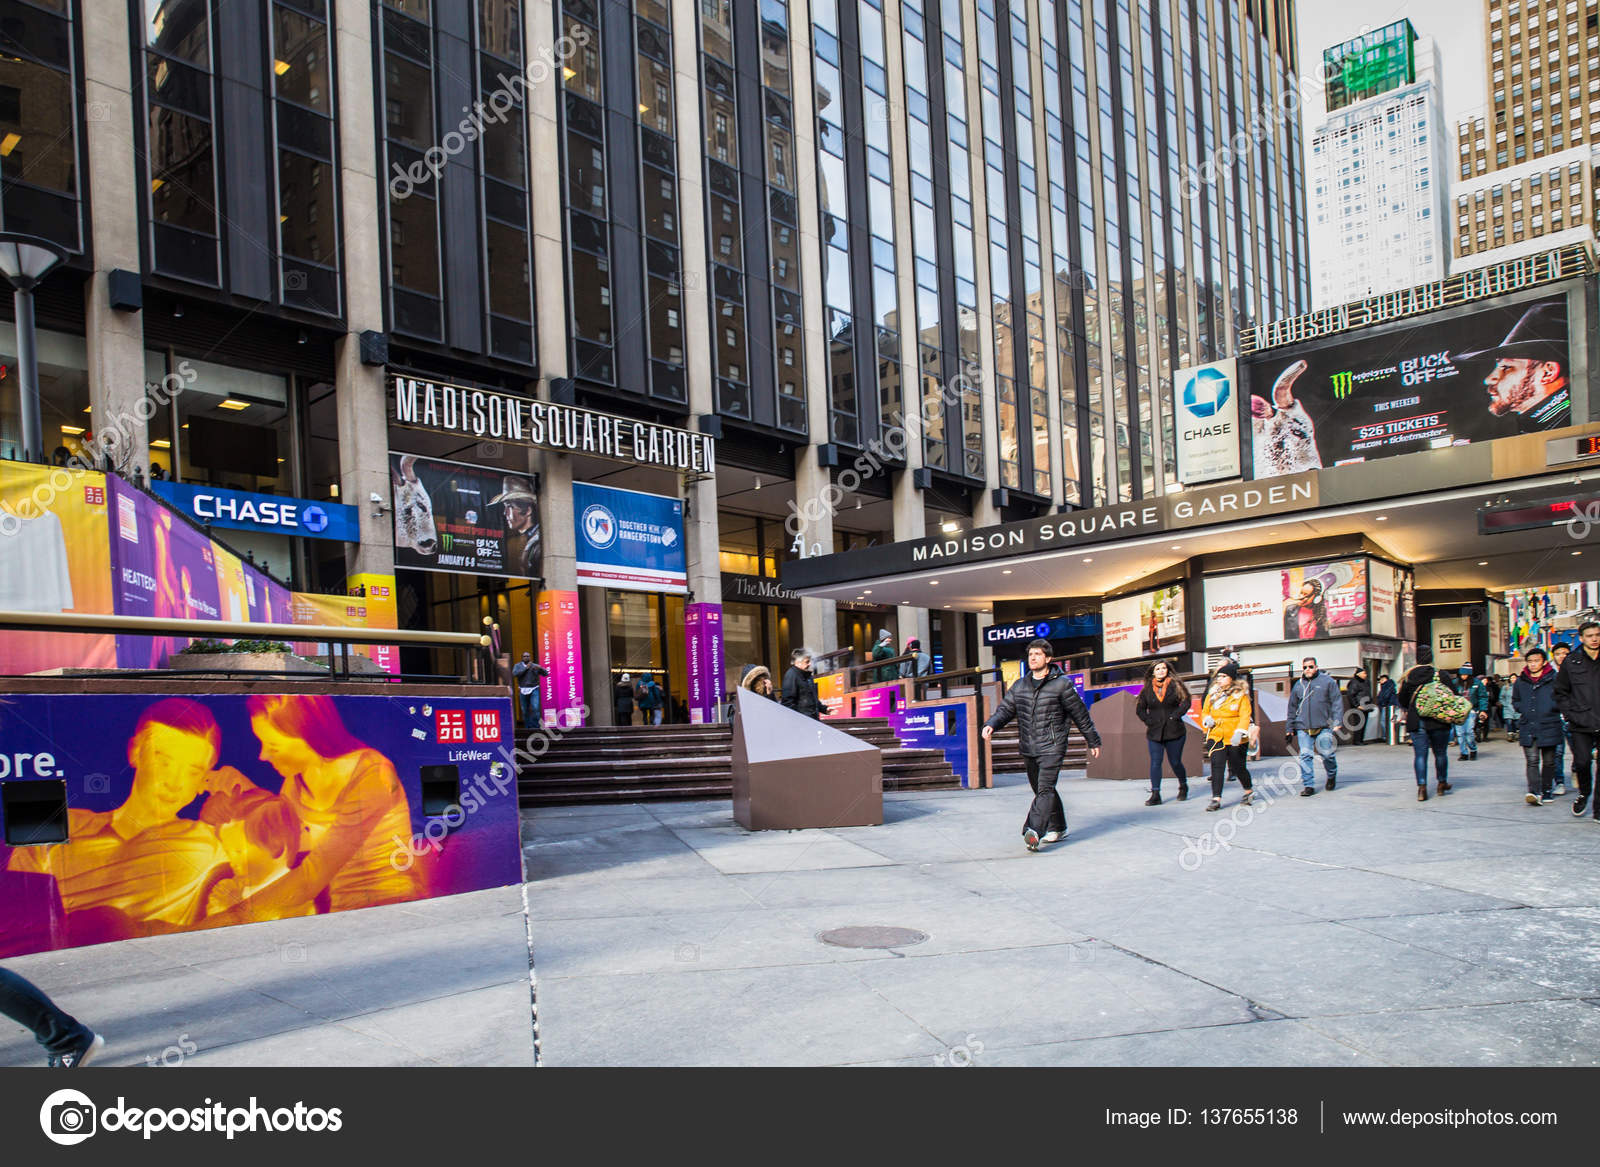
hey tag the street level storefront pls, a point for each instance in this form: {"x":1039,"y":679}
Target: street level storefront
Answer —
{"x":618,"y":604}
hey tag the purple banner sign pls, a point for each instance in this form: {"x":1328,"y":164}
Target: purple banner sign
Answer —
{"x":702,"y":631}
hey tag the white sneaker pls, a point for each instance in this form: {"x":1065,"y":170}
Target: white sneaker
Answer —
{"x":1532,"y":799}
{"x":1560,"y":788}
{"x":1053,"y":836}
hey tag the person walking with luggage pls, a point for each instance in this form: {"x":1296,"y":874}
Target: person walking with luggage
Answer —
{"x":1534,"y":694}
{"x":1225,"y":716}
{"x":800,"y":686}
{"x":622,"y":700}
{"x":1162,"y":705}
{"x":1578,"y":698}
{"x":1357,"y":701}
{"x":526,"y":674}
{"x":1043,"y":701}
{"x":883,"y":650}
{"x":651,"y":700}
{"x":1386,"y":703}
{"x":1428,"y":734}
{"x":1316,"y":709}
{"x":68,"y":1043}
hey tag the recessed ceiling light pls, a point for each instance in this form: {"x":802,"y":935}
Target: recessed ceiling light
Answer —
{"x":1177,"y":547}
{"x":1088,"y":559}
{"x":1005,"y":571}
{"x":1483,"y":563}
{"x":1382,"y":518}
{"x":230,"y":403}
{"x":947,"y":605}
{"x":866,"y":591}
{"x":933,"y":583}
{"x":1577,"y":552}
{"x":72,"y":429}
{"x":948,"y":527}
{"x":161,"y":444}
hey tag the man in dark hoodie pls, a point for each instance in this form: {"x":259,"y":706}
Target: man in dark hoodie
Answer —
{"x":1578,"y":698}
{"x":1427,"y":734}
{"x":1043,"y":701}
{"x":1534,"y":696}
{"x":1357,"y":700}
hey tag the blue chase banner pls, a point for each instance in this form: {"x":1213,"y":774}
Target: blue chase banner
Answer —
{"x":629,"y":540}
{"x":242,"y":510}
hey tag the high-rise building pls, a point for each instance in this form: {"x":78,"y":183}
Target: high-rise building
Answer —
{"x":1378,"y":168}
{"x":1525,"y":181}
{"x":934,"y":261}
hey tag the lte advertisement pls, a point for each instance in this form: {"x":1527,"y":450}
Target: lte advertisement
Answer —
{"x":1147,"y":624}
{"x":1483,"y":375}
{"x":477,"y":520}
{"x":1312,"y":602}
{"x":180,"y":813}
{"x":629,"y":540}
{"x":1206,"y":407}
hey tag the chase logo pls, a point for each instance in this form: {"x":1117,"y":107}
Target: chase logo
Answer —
{"x":314,"y":519}
{"x":1042,"y":630}
{"x":1206,"y":392}
{"x":599,"y":526}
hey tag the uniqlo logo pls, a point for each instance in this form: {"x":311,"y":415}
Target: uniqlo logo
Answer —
{"x":95,"y":496}
{"x":452,"y":724}
{"x":485,"y":725}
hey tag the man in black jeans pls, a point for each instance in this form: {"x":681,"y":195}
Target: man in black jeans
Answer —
{"x":1043,"y":701}
{"x":1427,"y":734}
{"x":1578,"y":698}
{"x":68,"y":1043}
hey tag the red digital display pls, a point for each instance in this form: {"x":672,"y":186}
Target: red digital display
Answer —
{"x":1589,"y":446}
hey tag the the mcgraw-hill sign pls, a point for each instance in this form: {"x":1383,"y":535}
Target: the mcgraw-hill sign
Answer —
{"x":490,"y":415}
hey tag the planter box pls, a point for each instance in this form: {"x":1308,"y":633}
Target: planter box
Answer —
{"x":261,"y":662}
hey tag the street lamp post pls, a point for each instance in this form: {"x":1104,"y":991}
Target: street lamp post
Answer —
{"x":24,"y":261}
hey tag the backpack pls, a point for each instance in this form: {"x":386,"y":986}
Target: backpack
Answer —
{"x":1438,"y":703}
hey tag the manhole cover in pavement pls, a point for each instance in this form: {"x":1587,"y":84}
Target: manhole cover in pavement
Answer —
{"x":872,"y":936}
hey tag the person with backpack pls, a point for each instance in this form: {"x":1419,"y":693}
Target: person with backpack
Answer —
{"x":1316,"y":709}
{"x":650,"y":700}
{"x":921,"y":662}
{"x":1482,"y":699}
{"x":1225,"y":716}
{"x":1534,"y":694}
{"x":1043,"y":701}
{"x":1424,"y":696}
{"x":1162,"y":705}
{"x":1578,"y":698}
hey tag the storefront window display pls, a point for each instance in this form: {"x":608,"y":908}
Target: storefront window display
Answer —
{"x":645,"y":634}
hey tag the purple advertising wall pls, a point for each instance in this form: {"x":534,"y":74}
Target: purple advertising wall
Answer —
{"x":938,"y":727}
{"x":159,"y":567}
{"x":225,"y":809}
{"x":561,"y":653}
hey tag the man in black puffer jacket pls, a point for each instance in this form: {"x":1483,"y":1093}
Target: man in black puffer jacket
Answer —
{"x":1578,"y":698}
{"x":1043,"y":701}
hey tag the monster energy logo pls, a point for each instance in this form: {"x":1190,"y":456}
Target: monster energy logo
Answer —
{"x":1341,"y":385}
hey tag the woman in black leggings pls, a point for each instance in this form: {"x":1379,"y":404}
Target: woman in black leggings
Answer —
{"x":1161,"y":705}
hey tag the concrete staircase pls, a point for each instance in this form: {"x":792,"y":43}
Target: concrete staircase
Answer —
{"x":633,"y":763}
{"x":1006,"y":752}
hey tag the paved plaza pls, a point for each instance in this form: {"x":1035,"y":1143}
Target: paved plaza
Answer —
{"x":1357,"y":927}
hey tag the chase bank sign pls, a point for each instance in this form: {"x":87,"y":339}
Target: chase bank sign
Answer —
{"x":241,"y":510}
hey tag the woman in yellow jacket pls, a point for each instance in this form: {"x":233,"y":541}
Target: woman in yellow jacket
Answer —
{"x":1225,"y":717}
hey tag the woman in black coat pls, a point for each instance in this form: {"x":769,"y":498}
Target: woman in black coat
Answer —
{"x":1161,"y":705}
{"x":622,"y":700}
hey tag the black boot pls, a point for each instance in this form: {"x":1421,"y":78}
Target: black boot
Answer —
{"x":1154,"y":799}
{"x":1183,"y":792}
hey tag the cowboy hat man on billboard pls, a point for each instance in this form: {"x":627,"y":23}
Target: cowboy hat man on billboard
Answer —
{"x":1529,"y":378}
{"x":524,"y":542}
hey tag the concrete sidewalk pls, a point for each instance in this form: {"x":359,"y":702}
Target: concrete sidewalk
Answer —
{"x":441,"y":982}
{"x":1356,"y":927}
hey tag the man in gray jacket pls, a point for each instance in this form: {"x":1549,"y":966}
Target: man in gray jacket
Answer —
{"x":1316,"y":708}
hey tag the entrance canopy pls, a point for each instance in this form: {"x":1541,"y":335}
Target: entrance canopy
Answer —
{"x":1438,"y":532}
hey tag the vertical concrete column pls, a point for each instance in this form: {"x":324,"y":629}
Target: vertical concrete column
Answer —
{"x":984,"y":512}
{"x":549,"y":294}
{"x":359,"y":399}
{"x":700,"y":528}
{"x":114,"y":340}
{"x":910,"y":518}
{"x":814,"y":494}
